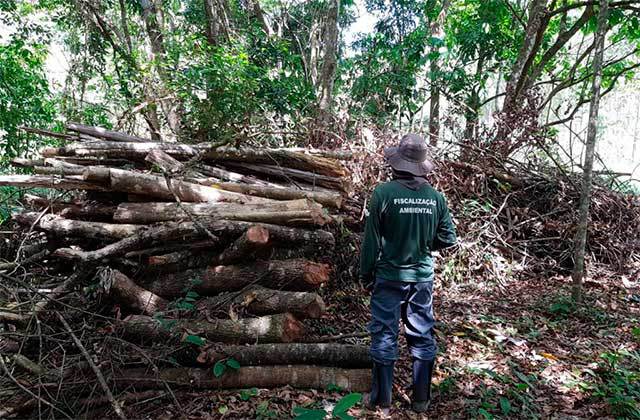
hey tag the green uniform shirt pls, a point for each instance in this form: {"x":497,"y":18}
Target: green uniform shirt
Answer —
{"x":403,"y":227}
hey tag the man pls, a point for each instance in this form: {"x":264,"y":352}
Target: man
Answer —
{"x":407,"y":220}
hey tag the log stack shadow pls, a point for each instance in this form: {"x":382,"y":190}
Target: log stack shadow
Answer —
{"x":221,"y":251}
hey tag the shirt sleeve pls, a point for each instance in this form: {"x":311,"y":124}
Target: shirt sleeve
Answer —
{"x":446,"y":231}
{"x":372,"y":241}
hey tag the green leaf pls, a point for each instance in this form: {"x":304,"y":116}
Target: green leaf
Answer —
{"x":636,"y":332}
{"x":194,"y":339}
{"x":223,"y":409}
{"x":505,"y":405}
{"x":246,"y":394}
{"x":346,"y":403}
{"x":344,"y":416}
{"x":233,"y":364}
{"x":334,"y":388}
{"x":309,"y":414}
{"x":219,"y":368}
{"x":485,"y":413}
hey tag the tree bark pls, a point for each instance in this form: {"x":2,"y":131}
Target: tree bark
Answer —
{"x":436,"y":29}
{"x":329,"y":199}
{"x":528,"y":49}
{"x":334,"y":183}
{"x":72,"y":210}
{"x":103,"y":133}
{"x":592,"y":129}
{"x":54,"y":182}
{"x":294,"y":212}
{"x":156,"y":186}
{"x":255,"y":240}
{"x":164,"y":161}
{"x":339,"y":355}
{"x":259,"y":300}
{"x":172,"y":108}
{"x":301,"y":376}
{"x":293,"y":274}
{"x":281,"y":328}
{"x":329,"y":63}
{"x":132,"y":296}
{"x":60,"y":226}
{"x":187,"y":231}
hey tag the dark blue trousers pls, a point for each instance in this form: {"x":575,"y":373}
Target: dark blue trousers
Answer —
{"x":411,"y":302}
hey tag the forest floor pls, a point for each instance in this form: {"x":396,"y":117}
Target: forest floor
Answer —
{"x":520,"y":349}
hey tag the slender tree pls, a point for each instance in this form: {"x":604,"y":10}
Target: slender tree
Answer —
{"x":436,"y":29}
{"x":583,"y":220}
{"x":330,"y":58}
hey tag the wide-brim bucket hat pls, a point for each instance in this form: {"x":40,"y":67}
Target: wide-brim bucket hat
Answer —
{"x":410,"y":156}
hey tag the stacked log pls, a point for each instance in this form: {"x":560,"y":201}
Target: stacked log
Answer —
{"x":182,"y":238}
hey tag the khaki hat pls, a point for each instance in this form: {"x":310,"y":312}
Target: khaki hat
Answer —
{"x":410,"y":156}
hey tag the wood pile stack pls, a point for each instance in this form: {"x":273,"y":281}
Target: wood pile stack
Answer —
{"x":216,"y":247}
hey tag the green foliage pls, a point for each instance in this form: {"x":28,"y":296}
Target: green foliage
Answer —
{"x":339,"y":410}
{"x":221,"y":366}
{"x":24,"y":97}
{"x":247,"y":394}
{"x":617,"y":382}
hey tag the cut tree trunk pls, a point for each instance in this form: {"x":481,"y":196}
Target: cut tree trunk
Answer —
{"x":339,"y":355}
{"x":259,"y":300}
{"x":60,"y":226}
{"x":294,"y":274}
{"x":281,"y":157}
{"x":329,"y":199}
{"x":100,"y":132}
{"x":280,"y":328}
{"x":282,"y":236}
{"x":335,"y":183}
{"x":301,"y":376}
{"x":132,"y":296}
{"x":294,"y":212}
{"x":252,"y":242}
{"x":156,"y":186}
{"x":138,"y":151}
{"x":164,"y":161}
{"x":72,"y":210}
{"x":54,"y":182}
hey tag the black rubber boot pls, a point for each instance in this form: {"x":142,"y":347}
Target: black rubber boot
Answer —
{"x":381,"y":386}
{"x":422,"y":373}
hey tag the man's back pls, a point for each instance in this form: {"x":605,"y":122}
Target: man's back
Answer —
{"x":404,"y":226}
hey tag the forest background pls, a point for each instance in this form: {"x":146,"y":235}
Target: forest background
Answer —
{"x":500,"y":88}
{"x":265,"y":71}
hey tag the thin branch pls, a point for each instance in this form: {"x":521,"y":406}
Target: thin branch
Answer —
{"x":96,"y":370}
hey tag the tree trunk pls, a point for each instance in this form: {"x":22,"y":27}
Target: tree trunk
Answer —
{"x":171,"y":107}
{"x":436,"y":28}
{"x":255,"y":240}
{"x":280,"y":172}
{"x":187,"y":231}
{"x":72,"y":210}
{"x":280,"y":157}
{"x":156,"y":186}
{"x":164,"y":161}
{"x":103,"y":133}
{"x":295,"y":212}
{"x":259,"y":300}
{"x":281,"y":328}
{"x":132,"y":296}
{"x":329,"y":63}
{"x":301,"y":376}
{"x":282,"y":193}
{"x":53,"y":182}
{"x":528,"y":49}
{"x":592,"y":129}
{"x":339,"y":355}
{"x":60,"y":226}
{"x":293,"y":274}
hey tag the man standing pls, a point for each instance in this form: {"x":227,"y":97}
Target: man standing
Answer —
{"x":407,"y":220}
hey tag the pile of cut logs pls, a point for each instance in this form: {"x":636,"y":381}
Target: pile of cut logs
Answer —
{"x":215,"y":248}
